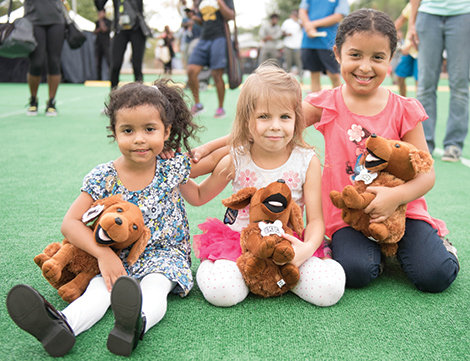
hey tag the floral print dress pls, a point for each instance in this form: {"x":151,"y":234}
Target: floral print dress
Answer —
{"x":168,"y":250}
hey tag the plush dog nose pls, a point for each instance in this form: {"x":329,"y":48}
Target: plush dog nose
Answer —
{"x":373,"y":135}
{"x":281,"y":181}
{"x":118,"y":221}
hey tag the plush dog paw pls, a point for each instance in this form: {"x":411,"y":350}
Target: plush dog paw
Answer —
{"x":351,"y":198}
{"x":254,"y":266}
{"x":379,"y":231}
{"x":266,"y":247}
{"x":337,"y":199}
{"x":51,"y":270}
{"x":283,"y":252}
{"x":40,"y":259}
{"x":290,"y":274}
{"x":69,"y":295}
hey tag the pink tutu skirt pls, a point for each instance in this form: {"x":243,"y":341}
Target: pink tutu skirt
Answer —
{"x":218,"y":241}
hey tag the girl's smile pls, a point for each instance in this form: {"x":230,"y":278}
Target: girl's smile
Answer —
{"x":364,"y":59}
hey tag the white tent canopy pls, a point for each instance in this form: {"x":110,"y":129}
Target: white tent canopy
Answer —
{"x":83,"y":23}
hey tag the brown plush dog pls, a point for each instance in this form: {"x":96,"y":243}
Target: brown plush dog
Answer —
{"x":271,"y":210}
{"x":390,"y":163}
{"x":115,"y":223}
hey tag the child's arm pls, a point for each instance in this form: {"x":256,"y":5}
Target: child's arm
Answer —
{"x":388,"y":199}
{"x":81,"y":236}
{"x":199,"y":194}
{"x":206,"y":149}
{"x":312,"y":114}
{"x":208,"y":163}
{"x":315,"y":228}
{"x":204,"y":157}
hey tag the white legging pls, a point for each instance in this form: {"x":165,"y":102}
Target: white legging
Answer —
{"x":321,"y":283}
{"x":90,"y":307}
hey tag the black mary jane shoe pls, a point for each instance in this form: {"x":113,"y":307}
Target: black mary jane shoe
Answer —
{"x":33,"y":314}
{"x":129,"y":324}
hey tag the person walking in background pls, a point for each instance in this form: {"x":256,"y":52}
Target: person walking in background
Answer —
{"x":127,"y":29}
{"x":270,"y":33}
{"x":168,"y":42}
{"x":320,"y":20}
{"x":211,"y":50}
{"x":102,"y":42}
{"x":191,"y":33}
{"x":408,"y":63}
{"x":47,"y":17}
{"x":436,"y":26}
{"x":292,"y":41}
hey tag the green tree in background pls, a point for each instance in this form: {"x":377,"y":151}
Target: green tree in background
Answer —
{"x":391,"y":7}
{"x":6,"y":3}
{"x":86,"y":8}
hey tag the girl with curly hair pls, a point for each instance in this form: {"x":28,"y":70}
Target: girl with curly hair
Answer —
{"x":143,"y":120}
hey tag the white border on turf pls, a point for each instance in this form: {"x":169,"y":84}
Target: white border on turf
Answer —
{"x":464,"y":161}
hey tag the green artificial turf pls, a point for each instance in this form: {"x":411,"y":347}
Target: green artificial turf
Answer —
{"x":43,"y":161}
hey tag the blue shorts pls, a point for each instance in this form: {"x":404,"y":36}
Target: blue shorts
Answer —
{"x":211,"y":53}
{"x":320,"y":60}
{"x":407,"y":66}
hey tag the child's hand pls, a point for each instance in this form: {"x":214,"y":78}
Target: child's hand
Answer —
{"x":198,"y":153}
{"x":168,"y":153}
{"x":303,"y":250}
{"x":384,"y":204}
{"x":111,"y":269}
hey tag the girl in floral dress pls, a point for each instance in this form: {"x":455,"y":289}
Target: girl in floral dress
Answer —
{"x":346,"y":116}
{"x":266,"y":145}
{"x":143,"y":120}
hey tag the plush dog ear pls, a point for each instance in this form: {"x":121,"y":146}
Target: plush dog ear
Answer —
{"x":99,"y":206}
{"x":296,"y":219}
{"x":421,"y":161}
{"x":240,"y":199}
{"x":109,"y":201}
{"x":139,"y":246}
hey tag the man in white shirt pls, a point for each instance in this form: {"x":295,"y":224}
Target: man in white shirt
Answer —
{"x":292,"y":33}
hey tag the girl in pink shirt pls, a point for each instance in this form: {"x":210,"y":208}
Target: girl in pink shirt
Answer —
{"x":346,"y":116}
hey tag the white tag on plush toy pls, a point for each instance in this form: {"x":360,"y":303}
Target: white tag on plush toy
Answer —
{"x":373,"y":239}
{"x":92,"y":213}
{"x":366,"y":177}
{"x":271,"y":228}
{"x":281,"y":283}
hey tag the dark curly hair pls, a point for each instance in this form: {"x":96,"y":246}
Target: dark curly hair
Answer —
{"x":365,"y":20}
{"x":165,"y":96}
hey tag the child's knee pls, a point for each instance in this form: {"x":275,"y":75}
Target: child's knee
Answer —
{"x":437,"y":279}
{"x":321,"y":283}
{"x":221,"y":283}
